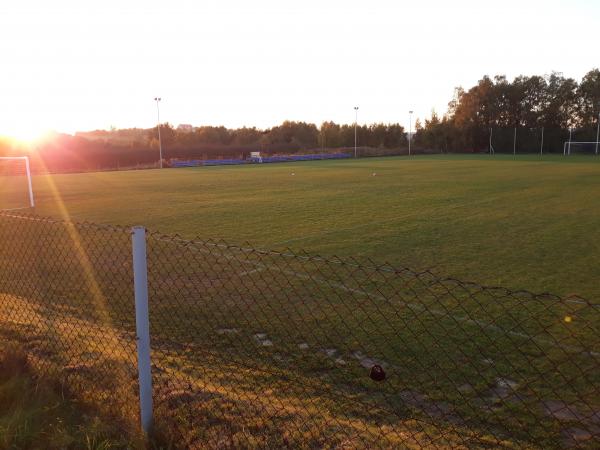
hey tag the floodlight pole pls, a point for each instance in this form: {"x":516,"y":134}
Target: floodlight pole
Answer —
{"x":598,"y":131}
{"x":355,"y":125}
{"x":409,"y":130}
{"x":157,"y":99}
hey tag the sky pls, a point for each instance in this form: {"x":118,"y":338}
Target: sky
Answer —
{"x":82,"y":65}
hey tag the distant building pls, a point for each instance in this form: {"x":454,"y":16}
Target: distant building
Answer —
{"x":185,"y":127}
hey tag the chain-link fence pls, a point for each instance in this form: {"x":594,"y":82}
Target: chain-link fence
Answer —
{"x":264,"y":349}
{"x":66,"y":299}
{"x":523,"y":140}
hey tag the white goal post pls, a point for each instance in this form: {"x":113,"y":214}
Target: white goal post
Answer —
{"x":25,"y":160}
{"x":580,"y":147}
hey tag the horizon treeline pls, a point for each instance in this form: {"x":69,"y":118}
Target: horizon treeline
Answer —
{"x":516,"y":111}
{"x":289,"y":135}
{"x":123,"y":148}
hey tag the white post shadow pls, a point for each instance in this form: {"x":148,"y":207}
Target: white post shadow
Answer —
{"x":142,"y":324}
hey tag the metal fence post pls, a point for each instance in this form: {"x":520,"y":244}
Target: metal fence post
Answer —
{"x":142,"y":324}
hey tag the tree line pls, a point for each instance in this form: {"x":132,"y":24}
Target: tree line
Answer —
{"x":124,"y":148}
{"x":290,"y":136}
{"x":527,"y":103}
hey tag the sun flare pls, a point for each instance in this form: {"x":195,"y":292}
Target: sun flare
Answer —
{"x":28,"y":135}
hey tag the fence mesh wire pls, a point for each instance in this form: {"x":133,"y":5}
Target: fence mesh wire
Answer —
{"x":263,"y":349}
{"x":66,"y":299}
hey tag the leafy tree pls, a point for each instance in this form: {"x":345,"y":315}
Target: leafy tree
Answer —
{"x":589,"y":98}
{"x":330,"y":135}
{"x":560,"y":108}
{"x":246,"y":136}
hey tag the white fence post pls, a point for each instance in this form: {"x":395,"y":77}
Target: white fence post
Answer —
{"x":142,"y":324}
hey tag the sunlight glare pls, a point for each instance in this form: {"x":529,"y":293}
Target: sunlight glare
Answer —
{"x":29,"y":135}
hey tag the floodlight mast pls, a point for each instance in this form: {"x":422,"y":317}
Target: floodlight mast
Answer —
{"x":158,"y":99}
{"x":409,"y":130}
{"x":598,"y":130}
{"x":355,"y":125}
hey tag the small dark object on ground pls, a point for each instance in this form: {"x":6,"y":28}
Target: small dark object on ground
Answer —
{"x":377,"y":373}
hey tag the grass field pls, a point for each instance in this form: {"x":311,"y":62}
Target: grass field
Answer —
{"x":35,"y":414}
{"x":275,"y":347}
{"x":525,"y":222}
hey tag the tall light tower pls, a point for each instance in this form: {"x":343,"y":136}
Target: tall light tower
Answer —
{"x":157,"y":99}
{"x":598,"y":130}
{"x":355,"y":125}
{"x":409,"y":130}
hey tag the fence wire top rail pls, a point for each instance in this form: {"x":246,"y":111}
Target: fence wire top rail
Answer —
{"x":364,"y":264}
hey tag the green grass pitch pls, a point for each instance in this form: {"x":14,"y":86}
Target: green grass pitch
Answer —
{"x":529,"y":222}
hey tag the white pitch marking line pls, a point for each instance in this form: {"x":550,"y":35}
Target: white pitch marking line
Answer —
{"x":14,"y":209}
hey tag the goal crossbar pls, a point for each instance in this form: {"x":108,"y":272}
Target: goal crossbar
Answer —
{"x":27,"y":171}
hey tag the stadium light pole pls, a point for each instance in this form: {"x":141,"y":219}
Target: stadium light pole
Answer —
{"x":157,"y":100}
{"x":355,"y":125}
{"x":598,"y":130}
{"x":409,"y":130}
